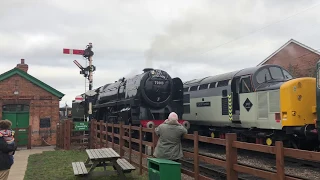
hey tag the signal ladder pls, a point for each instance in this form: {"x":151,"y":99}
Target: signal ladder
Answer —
{"x":86,"y":85}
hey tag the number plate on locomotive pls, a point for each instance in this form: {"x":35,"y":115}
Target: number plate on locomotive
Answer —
{"x":158,"y":82}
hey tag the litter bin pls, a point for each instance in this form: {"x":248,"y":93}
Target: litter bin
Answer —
{"x":163,"y":169}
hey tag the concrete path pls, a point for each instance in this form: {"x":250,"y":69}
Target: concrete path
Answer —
{"x":19,"y":167}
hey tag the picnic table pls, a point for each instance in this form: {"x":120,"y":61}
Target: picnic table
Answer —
{"x":102,"y":158}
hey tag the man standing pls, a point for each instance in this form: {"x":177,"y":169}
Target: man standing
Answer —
{"x":169,"y":144}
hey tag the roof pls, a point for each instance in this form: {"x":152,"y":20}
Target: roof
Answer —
{"x":228,"y":75}
{"x":286,"y":44}
{"x":32,"y":79}
{"x":222,"y":77}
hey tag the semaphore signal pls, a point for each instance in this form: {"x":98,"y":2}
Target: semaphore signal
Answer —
{"x":87,"y":73}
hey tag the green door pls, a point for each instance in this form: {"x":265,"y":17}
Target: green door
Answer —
{"x":20,"y":124}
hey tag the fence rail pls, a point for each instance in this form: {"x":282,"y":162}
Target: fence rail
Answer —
{"x":100,"y":137}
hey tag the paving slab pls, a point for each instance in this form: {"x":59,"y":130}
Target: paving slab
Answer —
{"x":21,"y":156}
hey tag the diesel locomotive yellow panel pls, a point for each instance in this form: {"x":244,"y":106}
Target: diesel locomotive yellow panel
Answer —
{"x":298,"y":101}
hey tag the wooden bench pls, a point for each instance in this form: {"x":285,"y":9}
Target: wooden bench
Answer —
{"x":125,"y":165}
{"x":79,"y":168}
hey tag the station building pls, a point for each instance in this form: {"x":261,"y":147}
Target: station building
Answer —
{"x":299,"y":59}
{"x":25,"y":100}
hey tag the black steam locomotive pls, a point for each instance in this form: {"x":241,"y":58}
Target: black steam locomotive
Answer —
{"x":145,"y":99}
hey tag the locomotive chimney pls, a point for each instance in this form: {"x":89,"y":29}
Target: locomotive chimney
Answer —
{"x":147,"y":69}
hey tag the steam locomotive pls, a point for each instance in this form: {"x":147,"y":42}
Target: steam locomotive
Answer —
{"x":144,"y":99}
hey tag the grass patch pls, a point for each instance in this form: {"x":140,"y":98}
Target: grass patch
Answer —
{"x":54,"y":165}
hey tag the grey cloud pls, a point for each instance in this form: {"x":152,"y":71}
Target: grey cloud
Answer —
{"x":181,"y":37}
{"x":199,"y":33}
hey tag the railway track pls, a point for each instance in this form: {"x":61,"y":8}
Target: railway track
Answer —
{"x":217,"y":171}
{"x":290,"y":160}
{"x":303,"y":162}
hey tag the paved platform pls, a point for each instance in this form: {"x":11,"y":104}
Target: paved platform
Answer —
{"x":19,"y":167}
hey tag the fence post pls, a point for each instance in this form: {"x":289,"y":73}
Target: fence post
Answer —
{"x":112,"y":135}
{"x":121,"y":140}
{"x":65,"y":139}
{"x":231,"y":156}
{"x":68,"y":134}
{"x":196,"y":154}
{"x":130,"y":143}
{"x":101,"y":135}
{"x":154,"y":139}
{"x":140,"y":150}
{"x":107,"y":135}
{"x":280,"y":160}
{"x":91,"y":135}
{"x":29,"y":137}
{"x":58,"y":136}
{"x":62,"y":127}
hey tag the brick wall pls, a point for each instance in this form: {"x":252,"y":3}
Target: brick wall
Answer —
{"x":42,"y":105}
{"x":299,"y":61}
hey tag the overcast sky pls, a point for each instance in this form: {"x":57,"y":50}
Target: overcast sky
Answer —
{"x":189,"y":39}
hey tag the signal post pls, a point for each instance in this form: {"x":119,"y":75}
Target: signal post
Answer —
{"x":87,"y":73}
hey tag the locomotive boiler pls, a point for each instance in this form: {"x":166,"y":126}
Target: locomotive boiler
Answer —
{"x":144,"y":99}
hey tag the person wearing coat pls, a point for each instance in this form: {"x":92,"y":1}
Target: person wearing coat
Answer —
{"x":169,"y":143}
{"x":5,"y":149}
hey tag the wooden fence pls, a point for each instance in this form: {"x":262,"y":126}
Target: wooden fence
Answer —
{"x":100,"y":137}
{"x":20,"y":132}
{"x":68,"y":137}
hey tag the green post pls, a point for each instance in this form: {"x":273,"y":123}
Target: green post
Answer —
{"x":318,"y":98}
{"x":162,"y":169}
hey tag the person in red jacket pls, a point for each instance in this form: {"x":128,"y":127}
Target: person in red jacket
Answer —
{"x":6,"y":151}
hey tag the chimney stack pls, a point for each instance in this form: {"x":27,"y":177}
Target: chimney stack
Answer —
{"x":22,"y":66}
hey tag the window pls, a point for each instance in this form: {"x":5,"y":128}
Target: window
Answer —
{"x":276,"y":73}
{"x":263,"y":76}
{"x":185,"y":89}
{"x":15,"y":107}
{"x":193,"y":88}
{"x":245,"y":85}
{"x":203,"y":86}
{"x":223,"y":83}
{"x":45,"y":123}
{"x":212,"y":85}
{"x":286,"y":74}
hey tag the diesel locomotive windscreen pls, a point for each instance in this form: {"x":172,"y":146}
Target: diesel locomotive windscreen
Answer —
{"x":158,"y":86}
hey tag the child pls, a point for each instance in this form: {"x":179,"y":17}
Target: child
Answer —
{"x":7,"y":135}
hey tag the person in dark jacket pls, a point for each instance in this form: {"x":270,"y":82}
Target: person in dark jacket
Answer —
{"x":5,"y":149}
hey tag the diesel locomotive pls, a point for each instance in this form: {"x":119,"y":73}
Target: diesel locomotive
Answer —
{"x":144,"y":99}
{"x":261,"y":104}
